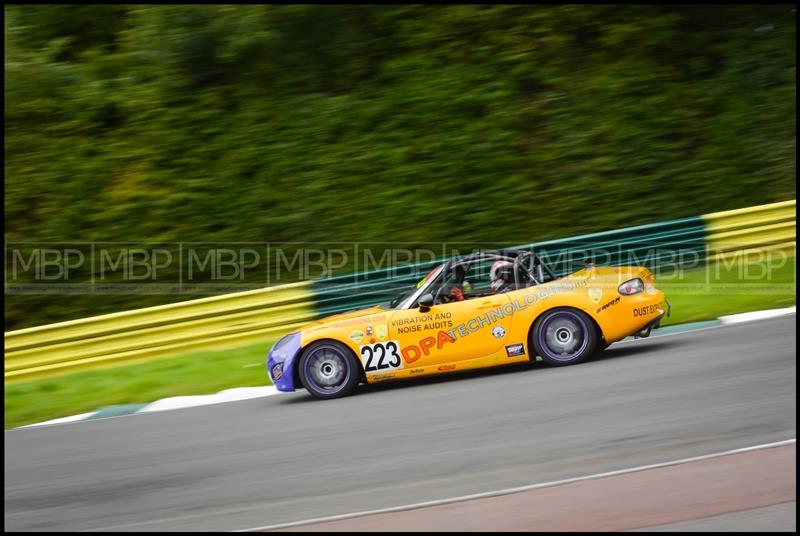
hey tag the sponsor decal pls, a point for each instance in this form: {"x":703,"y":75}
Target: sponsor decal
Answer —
{"x":357,"y":335}
{"x":595,"y":294}
{"x":647,"y":310}
{"x":498,"y":332}
{"x":609,"y":304}
{"x":369,"y":331}
{"x":423,"y":323}
{"x":421,"y":318}
{"x":277,"y":371}
{"x":379,"y":377}
{"x":414,"y":351}
{"x":381,"y":331}
{"x":508,"y":309}
{"x":415,"y":371}
{"x":449,"y":366}
{"x":381,"y":356}
{"x":515,"y":349}
{"x":430,"y":326}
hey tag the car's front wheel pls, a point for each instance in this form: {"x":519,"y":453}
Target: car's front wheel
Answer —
{"x":328,"y":369}
{"x":564,"y":336}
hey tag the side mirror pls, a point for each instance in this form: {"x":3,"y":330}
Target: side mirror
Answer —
{"x":425,"y":302}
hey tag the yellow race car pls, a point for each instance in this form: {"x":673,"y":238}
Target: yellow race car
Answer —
{"x":481,"y":310}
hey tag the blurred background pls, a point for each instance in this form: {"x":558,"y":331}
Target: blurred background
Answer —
{"x":226,"y":123}
{"x":156,"y":126}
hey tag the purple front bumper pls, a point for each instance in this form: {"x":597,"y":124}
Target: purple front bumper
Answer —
{"x":284,"y":353}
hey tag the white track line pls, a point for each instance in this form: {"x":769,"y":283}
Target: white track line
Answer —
{"x":228,"y":395}
{"x":62,"y":420}
{"x":757,"y":315}
{"x":509,"y":491}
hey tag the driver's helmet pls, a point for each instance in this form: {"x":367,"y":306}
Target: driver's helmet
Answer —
{"x":500,"y":274}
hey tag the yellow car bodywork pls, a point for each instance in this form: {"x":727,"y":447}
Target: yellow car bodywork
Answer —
{"x":488,"y":331}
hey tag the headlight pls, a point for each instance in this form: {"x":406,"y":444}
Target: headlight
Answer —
{"x":282,"y":342}
{"x":634,"y":286}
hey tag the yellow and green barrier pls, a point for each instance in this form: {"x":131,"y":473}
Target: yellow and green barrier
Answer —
{"x":765,"y":228}
{"x":259,"y":315}
{"x":157,"y":332}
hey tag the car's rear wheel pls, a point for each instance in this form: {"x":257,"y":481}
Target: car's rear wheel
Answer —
{"x":564,"y":336}
{"x":328,"y":369}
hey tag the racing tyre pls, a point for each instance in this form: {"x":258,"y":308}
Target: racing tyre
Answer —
{"x":328,"y":369}
{"x":564,"y":336}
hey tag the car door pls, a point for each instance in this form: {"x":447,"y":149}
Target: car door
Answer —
{"x":452,"y":332}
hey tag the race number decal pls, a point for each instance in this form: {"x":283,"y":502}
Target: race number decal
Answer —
{"x":381,"y":356}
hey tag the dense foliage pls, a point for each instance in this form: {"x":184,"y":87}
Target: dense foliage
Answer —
{"x":392,"y":123}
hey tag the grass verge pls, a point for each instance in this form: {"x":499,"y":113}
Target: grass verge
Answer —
{"x":700,"y":294}
{"x":195,"y":373}
{"x":708,"y":293}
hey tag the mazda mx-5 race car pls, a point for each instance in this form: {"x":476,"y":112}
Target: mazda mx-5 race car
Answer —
{"x":481,"y":310}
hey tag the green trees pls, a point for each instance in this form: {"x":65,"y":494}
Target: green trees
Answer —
{"x":394,"y":123}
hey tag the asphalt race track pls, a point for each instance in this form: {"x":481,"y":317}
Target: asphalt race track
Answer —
{"x":288,"y":458}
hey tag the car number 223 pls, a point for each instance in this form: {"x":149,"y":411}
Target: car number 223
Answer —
{"x":381,"y":356}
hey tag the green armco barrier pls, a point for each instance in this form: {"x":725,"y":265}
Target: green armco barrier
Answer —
{"x":675,"y":242}
{"x":648,"y":245}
